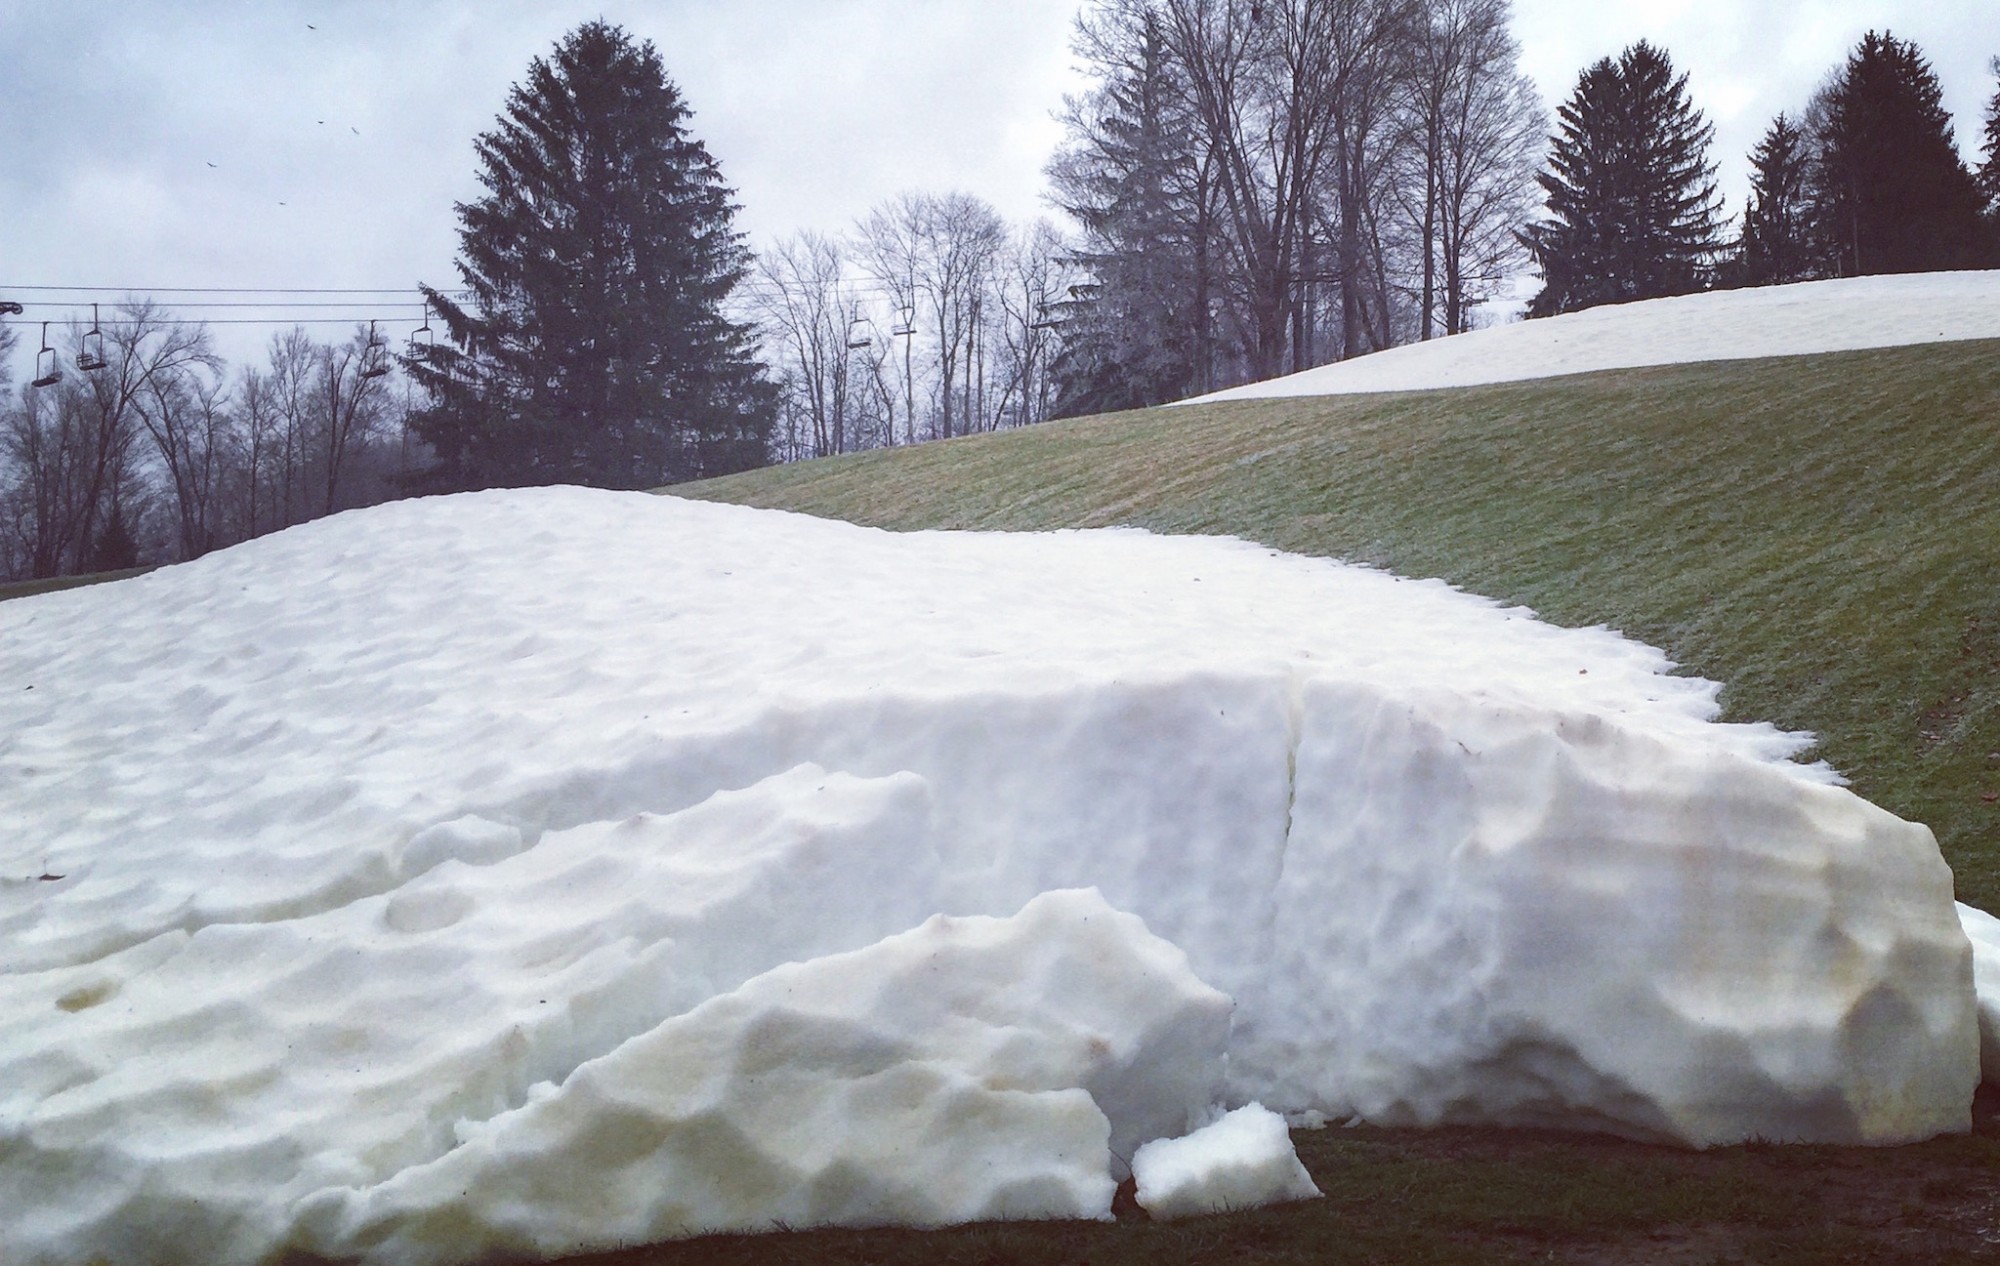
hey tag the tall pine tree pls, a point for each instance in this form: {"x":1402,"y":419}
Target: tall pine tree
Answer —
{"x":1777,"y":245}
{"x":1137,"y":334}
{"x":1989,"y":170}
{"x":1894,"y":196}
{"x":593,"y":347}
{"x":1633,"y":212}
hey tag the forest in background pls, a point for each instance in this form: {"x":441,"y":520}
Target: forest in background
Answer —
{"x":1248,"y":188}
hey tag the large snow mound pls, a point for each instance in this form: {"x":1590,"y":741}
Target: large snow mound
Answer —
{"x":1848,"y":314}
{"x":326,"y":851}
{"x":1240,"y":1161}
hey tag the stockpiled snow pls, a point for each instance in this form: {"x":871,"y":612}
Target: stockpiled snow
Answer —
{"x":1813,"y":316}
{"x":369,"y":867}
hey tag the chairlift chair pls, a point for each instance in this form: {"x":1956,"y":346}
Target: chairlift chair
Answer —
{"x":89,"y":359}
{"x":423,"y":339}
{"x":372,"y":365}
{"x":854,"y":343}
{"x":54,"y":372}
{"x":906,"y":324}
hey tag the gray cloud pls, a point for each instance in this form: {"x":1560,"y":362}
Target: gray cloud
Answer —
{"x":816,"y":111}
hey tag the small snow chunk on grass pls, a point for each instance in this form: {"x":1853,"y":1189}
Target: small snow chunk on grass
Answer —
{"x":1242,"y":1161}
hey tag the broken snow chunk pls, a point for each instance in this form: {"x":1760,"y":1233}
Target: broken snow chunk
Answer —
{"x":1242,"y":1161}
{"x":969,"y":1069}
{"x":1983,"y":930}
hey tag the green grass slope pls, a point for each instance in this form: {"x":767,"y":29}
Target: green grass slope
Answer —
{"x":1821,"y":534}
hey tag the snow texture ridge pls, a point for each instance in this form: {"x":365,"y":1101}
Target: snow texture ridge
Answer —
{"x":1241,"y":1161}
{"x":1845,"y":314}
{"x":337,"y":859}
{"x":959,"y":1072}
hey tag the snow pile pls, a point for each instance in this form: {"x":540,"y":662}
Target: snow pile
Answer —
{"x":1984,"y":931}
{"x":1243,"y":1160}
{"x":328,"y":855}
{"x":1814,"y":316}
{"x":959,"y":1072}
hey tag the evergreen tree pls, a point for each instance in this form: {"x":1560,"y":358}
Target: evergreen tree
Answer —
{"x":1989,"y":171}
{"x":1134,"y":335}
{"x":1631,"y":193}
{"x":1894,"y":196}
{"x":112,"y":546}
{"x":1777,"y":242}
{"x":594,"y":348}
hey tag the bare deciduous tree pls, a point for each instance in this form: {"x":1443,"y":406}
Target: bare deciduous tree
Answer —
{"x":936,"y":253}
{"x":348,"y":403}
{"x":75,"y":476}
{"x":808,"y":307}
{"x":1347,"y":172}
{"x":186,"y":416}
{"x":1478,"y":130}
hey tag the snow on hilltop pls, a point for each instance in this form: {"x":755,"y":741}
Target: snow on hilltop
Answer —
{"x":1813,"y":316}
{"x":533,"y":871}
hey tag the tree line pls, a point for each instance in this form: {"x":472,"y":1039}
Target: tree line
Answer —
{"x":1865,"y":178}
{"x":164,"y":453}
{"x":1254,"y":187}
{"x":931,"y":318}
{"x":1265,"y":185}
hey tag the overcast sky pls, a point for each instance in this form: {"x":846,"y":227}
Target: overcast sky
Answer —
{"x":318,"y":143}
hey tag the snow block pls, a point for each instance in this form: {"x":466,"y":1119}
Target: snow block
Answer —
{"x":1984,"y":932}
{"x":326,"y":851}
{"x":189,"y":1090}
{"x":1241,"y":1161}
{"x":957,"y":1072}
{"x":1518,"y":915}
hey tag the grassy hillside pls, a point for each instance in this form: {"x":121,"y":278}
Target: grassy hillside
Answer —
{"x":1822,"y":533}
{"x":29,"y":588}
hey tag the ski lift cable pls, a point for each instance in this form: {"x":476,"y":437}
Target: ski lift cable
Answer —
{"x":227,"y":290}
{"x":206,"y":305}
{"x":753,"y":285}
{"x":246,"y":296}
{"x":360,"y":319}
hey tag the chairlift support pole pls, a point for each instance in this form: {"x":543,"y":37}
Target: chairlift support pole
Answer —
{"x":907,"y":331}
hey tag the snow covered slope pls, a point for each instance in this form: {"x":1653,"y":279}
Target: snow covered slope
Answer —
{"x":412,"y":839}
{"x":1813,"y":316}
